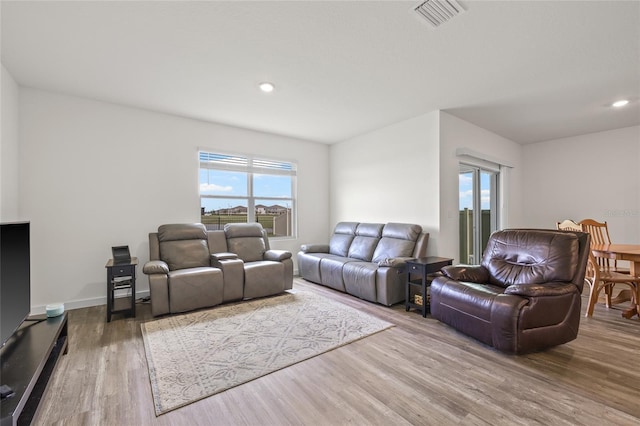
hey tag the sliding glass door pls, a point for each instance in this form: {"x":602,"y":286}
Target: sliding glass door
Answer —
{"x":478,"y":189}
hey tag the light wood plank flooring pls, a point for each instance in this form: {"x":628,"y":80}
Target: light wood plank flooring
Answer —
{"x":420,"y":372}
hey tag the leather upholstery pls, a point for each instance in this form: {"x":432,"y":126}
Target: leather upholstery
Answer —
{"x":364,"y":259}
{"x":366,"y":240}
{"x":525,"y":295}
{"x":192,"y":268}
{"x":266,"y":271}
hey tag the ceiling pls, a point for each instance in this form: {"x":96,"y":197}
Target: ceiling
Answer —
{"x":526,"y":70}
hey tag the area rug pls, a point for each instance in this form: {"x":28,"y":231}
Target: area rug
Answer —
{"x":196,"y":355}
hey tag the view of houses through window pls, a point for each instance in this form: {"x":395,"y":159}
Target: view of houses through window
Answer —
{"x":240,"y":189}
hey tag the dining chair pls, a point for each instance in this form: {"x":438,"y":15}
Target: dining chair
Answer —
{"x":599,"y":276}
{"x":600,"y":235}
{"x":602,"y":279}
{"x":569,"y":225}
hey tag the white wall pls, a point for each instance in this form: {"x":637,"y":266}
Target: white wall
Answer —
{"x":94,"y":175}
{"x":590,"y":176}
{"x":9,"y":184}
{"x":456,"y":133}
{"x":389,"y":175}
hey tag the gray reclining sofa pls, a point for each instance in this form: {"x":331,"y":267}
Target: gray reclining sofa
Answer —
{"x":191,"y":267}
{"x":365,"y":260}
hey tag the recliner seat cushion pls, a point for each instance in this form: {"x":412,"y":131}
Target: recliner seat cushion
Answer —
{"x":194,"y":288}
{"x":331,"y":271}
{"x":263,"y":278}
{"x":360,"y":280}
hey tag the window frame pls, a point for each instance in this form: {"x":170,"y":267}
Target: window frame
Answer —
{"x":252,"y":165}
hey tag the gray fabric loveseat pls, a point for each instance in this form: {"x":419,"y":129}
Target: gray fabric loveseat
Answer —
{"x":191,"y":267}
{"x":365,"y":260}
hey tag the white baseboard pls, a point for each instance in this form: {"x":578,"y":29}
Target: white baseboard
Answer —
{"x":83,"y":303}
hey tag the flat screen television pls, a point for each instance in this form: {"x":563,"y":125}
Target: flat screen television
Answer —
{"x":15,"y":277}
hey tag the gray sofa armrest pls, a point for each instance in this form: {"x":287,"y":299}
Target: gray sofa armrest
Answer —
{"x":468,"y":273}
{"x":394,"y":262}
{"x":537,"y":290}
{"x":277,"y":255}
{"x":155,"y":267}
{"x":314,"y":248}
{"x":215,"y":257}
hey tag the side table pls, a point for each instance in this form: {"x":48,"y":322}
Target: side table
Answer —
{"x":422,"y":266}
{"x":121,"y":276}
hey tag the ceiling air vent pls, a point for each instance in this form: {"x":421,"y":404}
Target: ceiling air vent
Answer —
{"x":437,"y":12}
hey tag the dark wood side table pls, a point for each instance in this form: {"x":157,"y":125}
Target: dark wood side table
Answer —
{"x":121,"y":276}
{"x":422,"y":266}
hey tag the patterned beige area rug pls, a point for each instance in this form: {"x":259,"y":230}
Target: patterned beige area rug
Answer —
{"x":196,"y":355}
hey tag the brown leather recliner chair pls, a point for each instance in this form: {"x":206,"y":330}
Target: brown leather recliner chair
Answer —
{"x":525,"y":294}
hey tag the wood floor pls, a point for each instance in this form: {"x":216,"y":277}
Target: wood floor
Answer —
{"x":419,"y":372}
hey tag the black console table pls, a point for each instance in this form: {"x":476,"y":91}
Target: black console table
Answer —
{"x":422,"y":266}
{"x":28,"y":360}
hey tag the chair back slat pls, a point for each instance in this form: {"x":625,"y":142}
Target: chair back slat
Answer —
{"x":599,"y":235}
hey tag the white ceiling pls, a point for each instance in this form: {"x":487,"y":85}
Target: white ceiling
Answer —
{"x":526,"y":70}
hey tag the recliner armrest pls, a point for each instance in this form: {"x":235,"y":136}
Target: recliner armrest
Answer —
{"x":537,"y":290}
{"x":155,"y":267}
{"x":314,"y":248}
{"x":394,"y":262}
{"x":223,"y":256}
{"x":469,"y":273}
{"x":277,"y":255}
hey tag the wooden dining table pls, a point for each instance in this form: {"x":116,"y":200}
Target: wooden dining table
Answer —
{"x":630,"y":253}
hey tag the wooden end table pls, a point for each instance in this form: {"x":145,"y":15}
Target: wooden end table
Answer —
{"x":422,"y":266}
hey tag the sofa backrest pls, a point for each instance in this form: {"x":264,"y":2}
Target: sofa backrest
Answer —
{"x":343,"y":235}
{"x":183,"y":246}
{"x":247,"y":240}
{"x":532,"y":256}
{"x":377,"y":241}
{"x":365,"y":241}
{"x":398,"y":240}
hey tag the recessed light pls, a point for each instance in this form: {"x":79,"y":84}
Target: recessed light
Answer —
{"x":266,"y":87}
{"x":620,"y":103}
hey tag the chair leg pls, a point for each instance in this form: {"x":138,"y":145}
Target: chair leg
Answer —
{"x":593,"y":298}
{"x":608,"y":291}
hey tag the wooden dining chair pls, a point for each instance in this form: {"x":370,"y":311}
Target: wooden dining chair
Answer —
{"x":602,"y":279}
{"x":569,"y":225}
{"x":599,"y":276}
{"x":600,"y":235}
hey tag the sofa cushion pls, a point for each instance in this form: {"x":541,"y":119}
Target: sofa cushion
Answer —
{"x":184,"y":254}
{"x":331,"y":271}
{"x":342,"y":237}
{"x":246,"y":240}
{"x":365,"y":241}
{"x":195,"y":288}
{"x":360,"y":279}
{"x":182,"y":231}
{"x":263,"y":278}
{"x":522,"y":257}
{"x":398,"y":240}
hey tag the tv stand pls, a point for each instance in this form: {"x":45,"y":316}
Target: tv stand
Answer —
{"x":28,"y":360}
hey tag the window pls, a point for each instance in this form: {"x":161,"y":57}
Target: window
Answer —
{"x":237,"y":189}
{"x":478,"y":210}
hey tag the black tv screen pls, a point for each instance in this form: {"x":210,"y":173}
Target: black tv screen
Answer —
{"x":15,"y":278}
